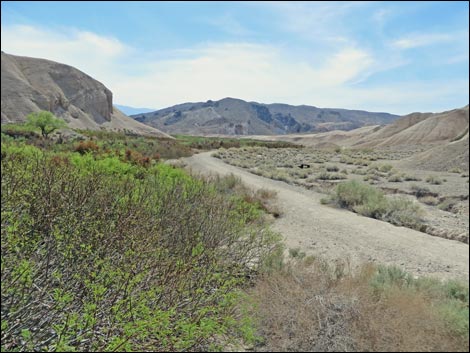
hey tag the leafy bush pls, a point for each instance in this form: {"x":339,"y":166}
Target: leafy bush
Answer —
{"x":100,"y":254}
{"x":45,"y":121}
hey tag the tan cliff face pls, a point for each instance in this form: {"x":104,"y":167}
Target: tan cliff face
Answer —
{"x":30,"y":85}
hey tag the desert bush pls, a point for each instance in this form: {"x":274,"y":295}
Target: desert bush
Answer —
{"x":361,"y":198}
{"x":371,"y":202}
{"x":325,"y":307}
{"x":385,"y":168}
{"x":361,"y":162}
{"x":432,"y":179}
{"x":332,"y":168}
{"x":447,"y":205}
{"x":374,"y":177}
{"x":261,"y":199}
{"x":358,"y":171}
{"x":86,"y":146}
{"x":104,"y":255}
{"x":408,"y":177}
{"x":395,"y":179}
{"x":421,"y":191}
{"x":346,"y":160}
{"x":430,"y":200}
{"x":403,"y":212}
{"x":330,"y":176}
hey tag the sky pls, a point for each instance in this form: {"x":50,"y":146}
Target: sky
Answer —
{"x":396,"y":57}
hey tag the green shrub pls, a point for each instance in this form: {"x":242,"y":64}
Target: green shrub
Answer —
{"x":101,"y":254}
{"x":45,"y":121}
{"x":371,"y":202}
{"x":403,"y":212}
{"x":361,"y":198}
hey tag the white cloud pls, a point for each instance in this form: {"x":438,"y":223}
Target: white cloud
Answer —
{"x":421,"y":40}
{"x":263,"y":73}
{"x":87,"y":51}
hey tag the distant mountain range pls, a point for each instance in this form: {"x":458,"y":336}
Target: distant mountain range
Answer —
{"x":231,"y":116}
{"x":131,"y":110}
{"x":31,"y":84}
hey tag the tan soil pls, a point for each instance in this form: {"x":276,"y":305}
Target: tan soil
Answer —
{"x":339,"y":234}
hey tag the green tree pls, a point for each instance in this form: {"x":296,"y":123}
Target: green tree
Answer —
{"x":46,"y":121}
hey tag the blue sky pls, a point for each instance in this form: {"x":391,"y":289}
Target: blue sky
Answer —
{"x":397,"y":57}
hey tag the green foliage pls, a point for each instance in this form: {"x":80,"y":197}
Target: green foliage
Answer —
{"x":371,"y":202}
{"x":101,"y":254}
{"x":45,"y":121}
{"x":403,"y":212}
{"x":361,"y":198}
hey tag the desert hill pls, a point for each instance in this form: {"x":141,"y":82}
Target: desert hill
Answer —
{"x":231,"y":116}
{"x":30,"y":85}
{"x":420,"y":129}
{"x":443,"y":136}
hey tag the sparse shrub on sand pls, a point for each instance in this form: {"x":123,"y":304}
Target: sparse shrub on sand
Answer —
{"x":371,"y":202}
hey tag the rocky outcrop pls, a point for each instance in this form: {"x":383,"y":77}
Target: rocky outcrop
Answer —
{"x":30,"y":85}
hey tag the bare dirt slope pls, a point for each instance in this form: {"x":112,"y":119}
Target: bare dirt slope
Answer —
{"x":339,"y":234}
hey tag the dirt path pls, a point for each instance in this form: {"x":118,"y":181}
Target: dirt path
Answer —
{"x":340,"y":234}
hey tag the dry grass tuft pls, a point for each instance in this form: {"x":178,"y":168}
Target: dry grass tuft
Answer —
{"x":324,"y":308}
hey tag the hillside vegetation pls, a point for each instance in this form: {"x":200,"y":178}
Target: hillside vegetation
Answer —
{"x":106,"y":248}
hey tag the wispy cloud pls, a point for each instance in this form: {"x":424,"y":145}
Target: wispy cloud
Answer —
{"x":421,"y":40}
